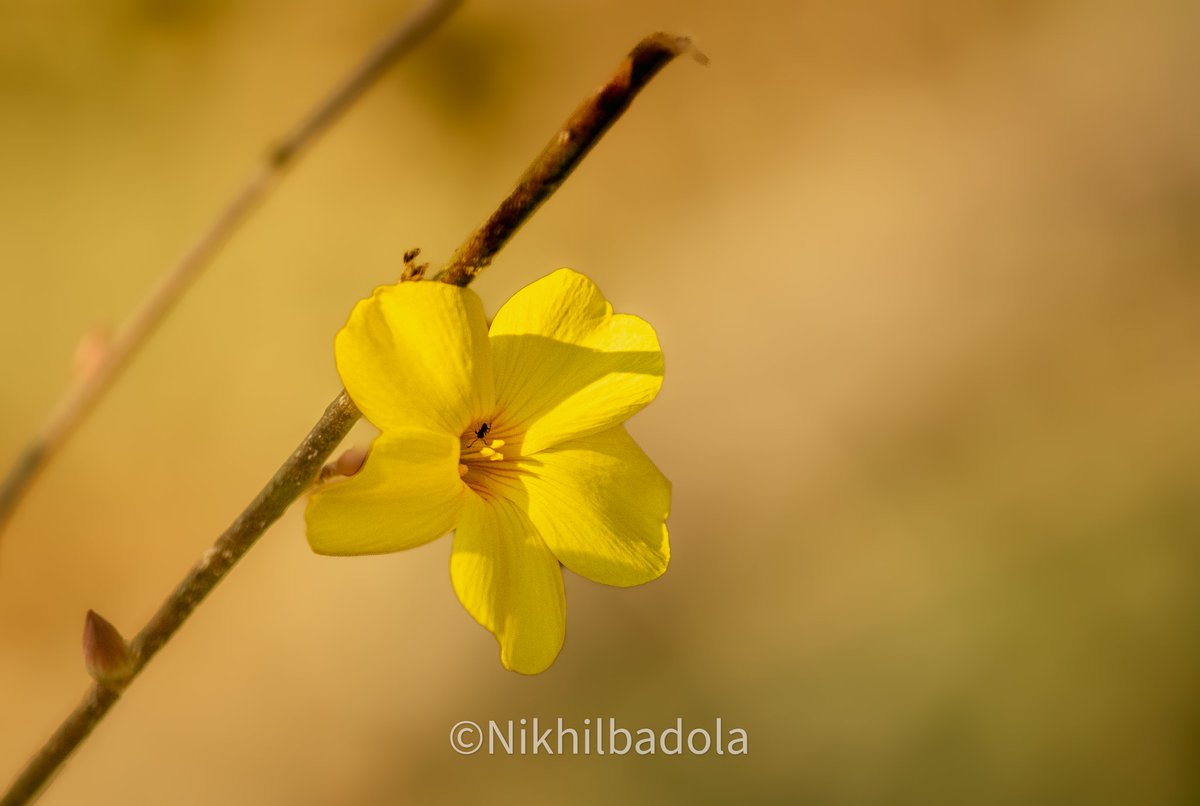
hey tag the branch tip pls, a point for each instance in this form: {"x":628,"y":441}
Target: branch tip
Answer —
{"x":563,"y":153}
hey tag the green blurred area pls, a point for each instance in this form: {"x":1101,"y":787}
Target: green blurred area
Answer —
{"x":925,"y":278}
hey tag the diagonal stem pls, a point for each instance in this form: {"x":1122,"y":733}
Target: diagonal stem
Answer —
{"x":566,"y":149}
{"x":82,"y":397}
{"x":542,"y":178}
{"x":292,"y":478}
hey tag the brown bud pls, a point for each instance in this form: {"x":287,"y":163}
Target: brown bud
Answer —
{"x":351,"y":461}
{"x":105,"y":653}
{"x":412,"y":269}
{"x":92,"y":351}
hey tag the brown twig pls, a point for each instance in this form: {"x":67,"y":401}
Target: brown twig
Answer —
{"x":82,"y":397}
{"x":299,"y":471}
{"x":569,"y":145}
{"x":296,"y":474}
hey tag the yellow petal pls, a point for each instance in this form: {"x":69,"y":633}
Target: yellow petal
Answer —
{"x":416,"y":355}
{"x":509,"y":582}
{"x":565,"y":365}
{"x":407,"y":493}
{"x":601,"y":506}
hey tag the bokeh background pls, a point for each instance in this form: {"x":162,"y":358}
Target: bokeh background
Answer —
{"x":925,"y":274}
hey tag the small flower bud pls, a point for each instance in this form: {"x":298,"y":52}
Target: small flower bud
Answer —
{"x":349,"y":463}
{"x":412,"y":269}
{"x":105,"y":653}
{"x":91,"y":351}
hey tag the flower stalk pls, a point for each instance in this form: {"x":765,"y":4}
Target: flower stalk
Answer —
{"x":549,"y":169}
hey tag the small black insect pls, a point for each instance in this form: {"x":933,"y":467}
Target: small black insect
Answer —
{"x":480,"y":433}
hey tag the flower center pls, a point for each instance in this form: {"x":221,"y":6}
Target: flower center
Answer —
{"x":487,"y":458}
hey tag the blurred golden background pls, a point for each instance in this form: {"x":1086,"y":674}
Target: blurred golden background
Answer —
{"x":925,"y":275}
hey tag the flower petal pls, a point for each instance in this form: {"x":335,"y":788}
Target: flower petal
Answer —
{"x":407,"y":493}
{"x":416,"y":355}
{"x":565,"y":365}
{"x":601,"y":506}
{"x":509,"y":582}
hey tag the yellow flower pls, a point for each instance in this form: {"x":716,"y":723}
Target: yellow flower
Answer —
{"x":511,"y":436}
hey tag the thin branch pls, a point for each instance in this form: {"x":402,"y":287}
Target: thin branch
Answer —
{"x":569,"y":145}
{"x":82,"y":397}
{"x":296,"y":474}
{"x":302,"y":467}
